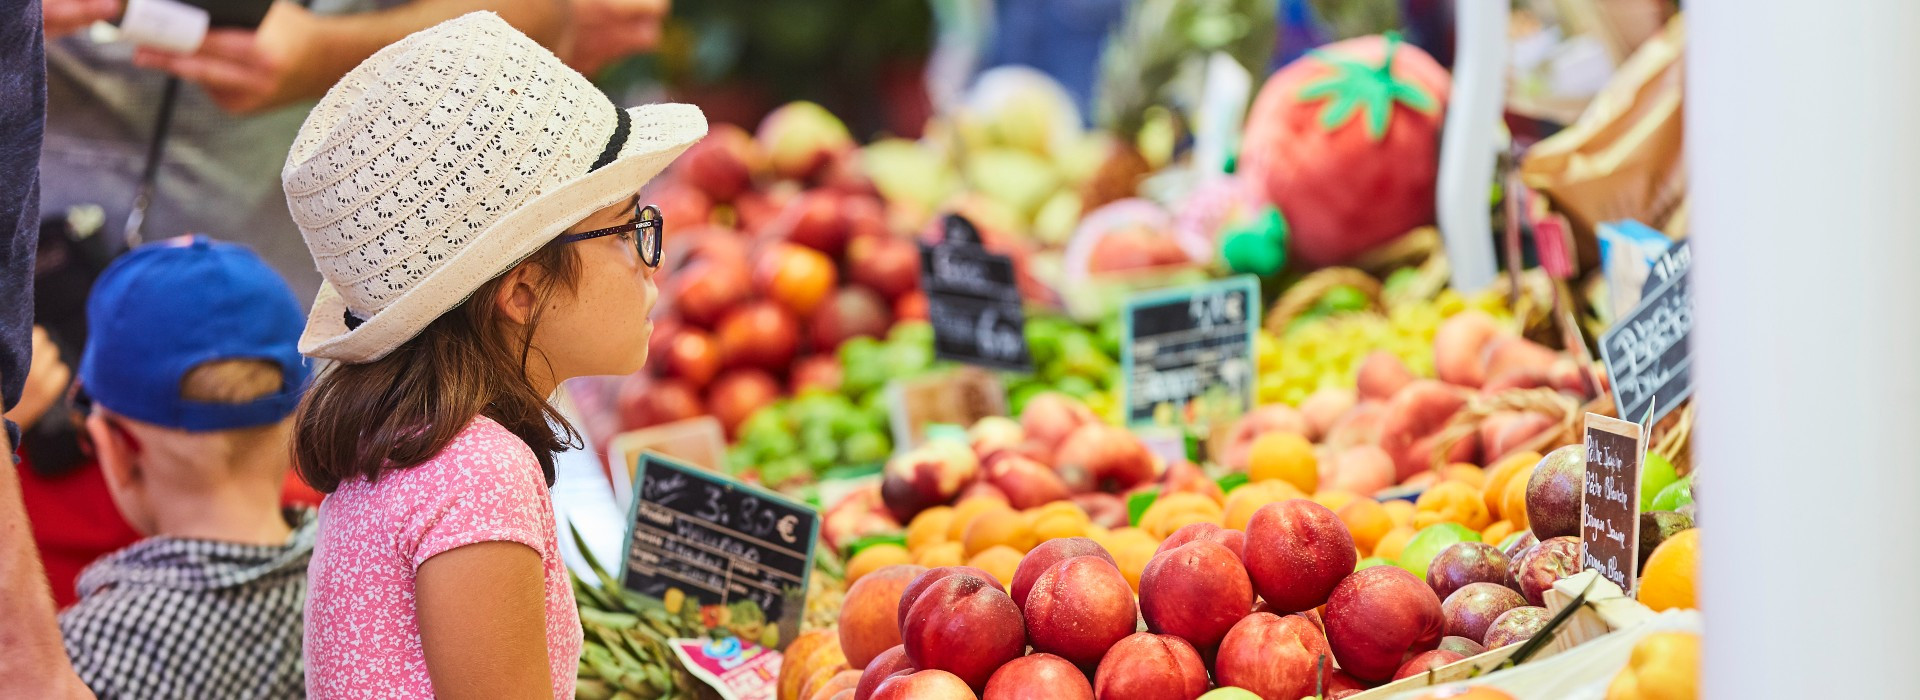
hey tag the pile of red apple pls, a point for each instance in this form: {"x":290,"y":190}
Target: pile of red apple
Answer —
{"x":777,"y":251}
{"x":1264,"y":610}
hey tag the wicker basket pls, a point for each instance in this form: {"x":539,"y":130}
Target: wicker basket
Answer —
{"x":1569,"y":421}
{"x":1301,"y":297}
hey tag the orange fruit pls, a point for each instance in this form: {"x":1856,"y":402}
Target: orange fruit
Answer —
{"x":1662,"y":665}
{"x":1335,"y":499}
{"x":1513,"y":505}
{"x":966,"y":510}
{"x":1494,"y":490}
{"x":1059,"y":519}
{"x":1242,"y":503}
{"x":1391,"y":543}
{"x":1367,"y":520}
{"x":1667,"y":581}
{"x":999,"y":560}
{"x":1176,"y":510}
{"x":1469,"y":474}
{"x":1497,"y":532}
{"x":1451,"y":502}
{"x":874,"y":557}
{"x":1132,"y":558}
{"x":929,"y":528}
{"x":943,"y":554}
{"x":1400,"y":510}
{"x":997,"y":528}
{"x":1284,"y":456}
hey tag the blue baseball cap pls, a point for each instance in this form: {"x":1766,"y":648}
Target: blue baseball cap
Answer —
{"x":167,"y":307}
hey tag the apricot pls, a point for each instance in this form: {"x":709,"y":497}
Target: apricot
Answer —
{"x":1057,"y":520}
{"x":1244,"y":501}
{"x":1001,"y":561}
{"x":1176,"y":510}
{"x":943,"y":554}
{"x":967,"y":509}
{"x":874,"y":558}
{"x":1451,"y":502}
{"x":997,"y":528}
{"x":1367,"y":521}
{"x":1392,"y":543}
{"x":929,"y":528}
{"x":869,"y":615}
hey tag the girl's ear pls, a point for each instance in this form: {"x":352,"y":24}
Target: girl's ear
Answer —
{"x":516,"y":298}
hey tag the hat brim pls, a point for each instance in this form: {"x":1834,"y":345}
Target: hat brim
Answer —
{"x":670,"y":128}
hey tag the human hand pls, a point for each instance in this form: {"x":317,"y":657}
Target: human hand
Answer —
{"x":247,"y":70}
{"x":605,"y":31}
{"x":62,"y":17}
{"x":47,"y":379}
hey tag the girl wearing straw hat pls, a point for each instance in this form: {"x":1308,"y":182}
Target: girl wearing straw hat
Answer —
{"x":471,"y":203}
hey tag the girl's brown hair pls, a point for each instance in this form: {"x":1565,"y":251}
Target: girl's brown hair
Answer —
{"x":397,"y":412}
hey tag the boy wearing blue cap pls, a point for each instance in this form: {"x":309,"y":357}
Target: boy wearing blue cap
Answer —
{"x":191,"y":378}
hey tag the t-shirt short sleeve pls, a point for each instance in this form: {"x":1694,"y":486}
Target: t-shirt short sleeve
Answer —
{"x":485,"y":486}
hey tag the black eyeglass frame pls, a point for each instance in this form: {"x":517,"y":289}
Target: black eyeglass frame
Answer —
{"x":647,"y":221}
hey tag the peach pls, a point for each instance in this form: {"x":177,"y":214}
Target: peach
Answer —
{"x":1026,"y":483}
{"x":1045,"y":556}
{"x":1101,"y":457}
{"x":932,"y":684}
{"x":1363,"y":469}
{"x":997,"y":528}
{"x":1196,"y":592}
{"x":993,"y":434}
{"x":1459,"y":348}
{"x":1554,"y":492}
{"x":930,"y":475}
{"x":1462,"y":563}
{"x":868,"y":616}
{"x":965,"y":625}
{"x":1416,"y":413}
{"x":820,"y":678}
{"x":1360,"y":426}
{"x":926,"y":580}
{"x":1079,"y":608}
{"x":1461,"y":645}
{"x":1273,"y":656}
{"x":801,"y":138}
{"x":846,"y":679}
{"x":1038,"y":677}
{"x":1184,"y":477}
{"x":1506,"y":432}
{"x":1147,"y":666}
{"x":1103,"y":509}
{"x":1516,"y":625}
{"x":1324,"y":408}
{"x":1541,"y":565}
{"x":1234,"y":540}
{"x":1472,"y":609}
{"x":813,"y":649}
{"x":890,"y":663}
{"x":1000,"y":563}
{"x":1426,"y":661}
{"x":722,"y":164}
{"x":1381,"y":375}
{"x":982,"y":489}
{"x":1050,"y":417}
{"x":1297,"y":552}
{"x":1513,"y":355}
{"x":1271,"y":418}
{"x":1378,"y":618}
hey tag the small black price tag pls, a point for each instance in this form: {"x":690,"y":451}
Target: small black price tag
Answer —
{"x":1187,"y":343}
{"x":973,"y":301}
{"x":1610,"y":501}
{"x":1648,"y":351}
{"x":735,"y":550}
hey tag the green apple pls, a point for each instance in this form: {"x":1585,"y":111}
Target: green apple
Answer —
{"x":1230,"y":693}
{"x":1655,"y":475}
{"x":1676,"y":494}
{"x":1371,"y":562}
{"x":1428,"y":544}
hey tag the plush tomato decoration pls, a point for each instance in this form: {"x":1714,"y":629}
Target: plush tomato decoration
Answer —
{"x":1346,"y":141}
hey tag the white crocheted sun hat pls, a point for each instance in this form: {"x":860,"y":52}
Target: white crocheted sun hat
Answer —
{"x":445,"y":159}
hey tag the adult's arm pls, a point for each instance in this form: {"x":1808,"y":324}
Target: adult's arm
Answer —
{"x":296,"y":55}
{"x":483,"y":626}
{"x":33,"y":661}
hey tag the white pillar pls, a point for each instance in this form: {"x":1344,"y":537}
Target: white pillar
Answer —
{"x":1805,"y":177}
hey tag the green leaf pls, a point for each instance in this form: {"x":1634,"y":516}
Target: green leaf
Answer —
{"x":1370,"y":90}
{"x":1232,"y":481}
{"x":1138,"y":503}
{"x":853,"y":548}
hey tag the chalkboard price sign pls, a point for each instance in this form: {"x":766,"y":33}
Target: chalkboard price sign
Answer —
{"x":1648,"y":352}
{"x":1185,"y":343}
{"x":719,"y":543}
{"x":973,"y":301}
{"x":1610,"y":505}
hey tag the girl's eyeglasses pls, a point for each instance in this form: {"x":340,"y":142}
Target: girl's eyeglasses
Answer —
{"x":649,"y":226}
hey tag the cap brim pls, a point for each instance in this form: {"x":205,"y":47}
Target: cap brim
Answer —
{"x":661,"y":132}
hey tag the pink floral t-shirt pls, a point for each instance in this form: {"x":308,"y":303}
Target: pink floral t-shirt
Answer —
{"x":363,"y":636}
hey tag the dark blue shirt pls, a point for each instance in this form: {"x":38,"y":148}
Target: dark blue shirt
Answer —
{"x":23,"y":115}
